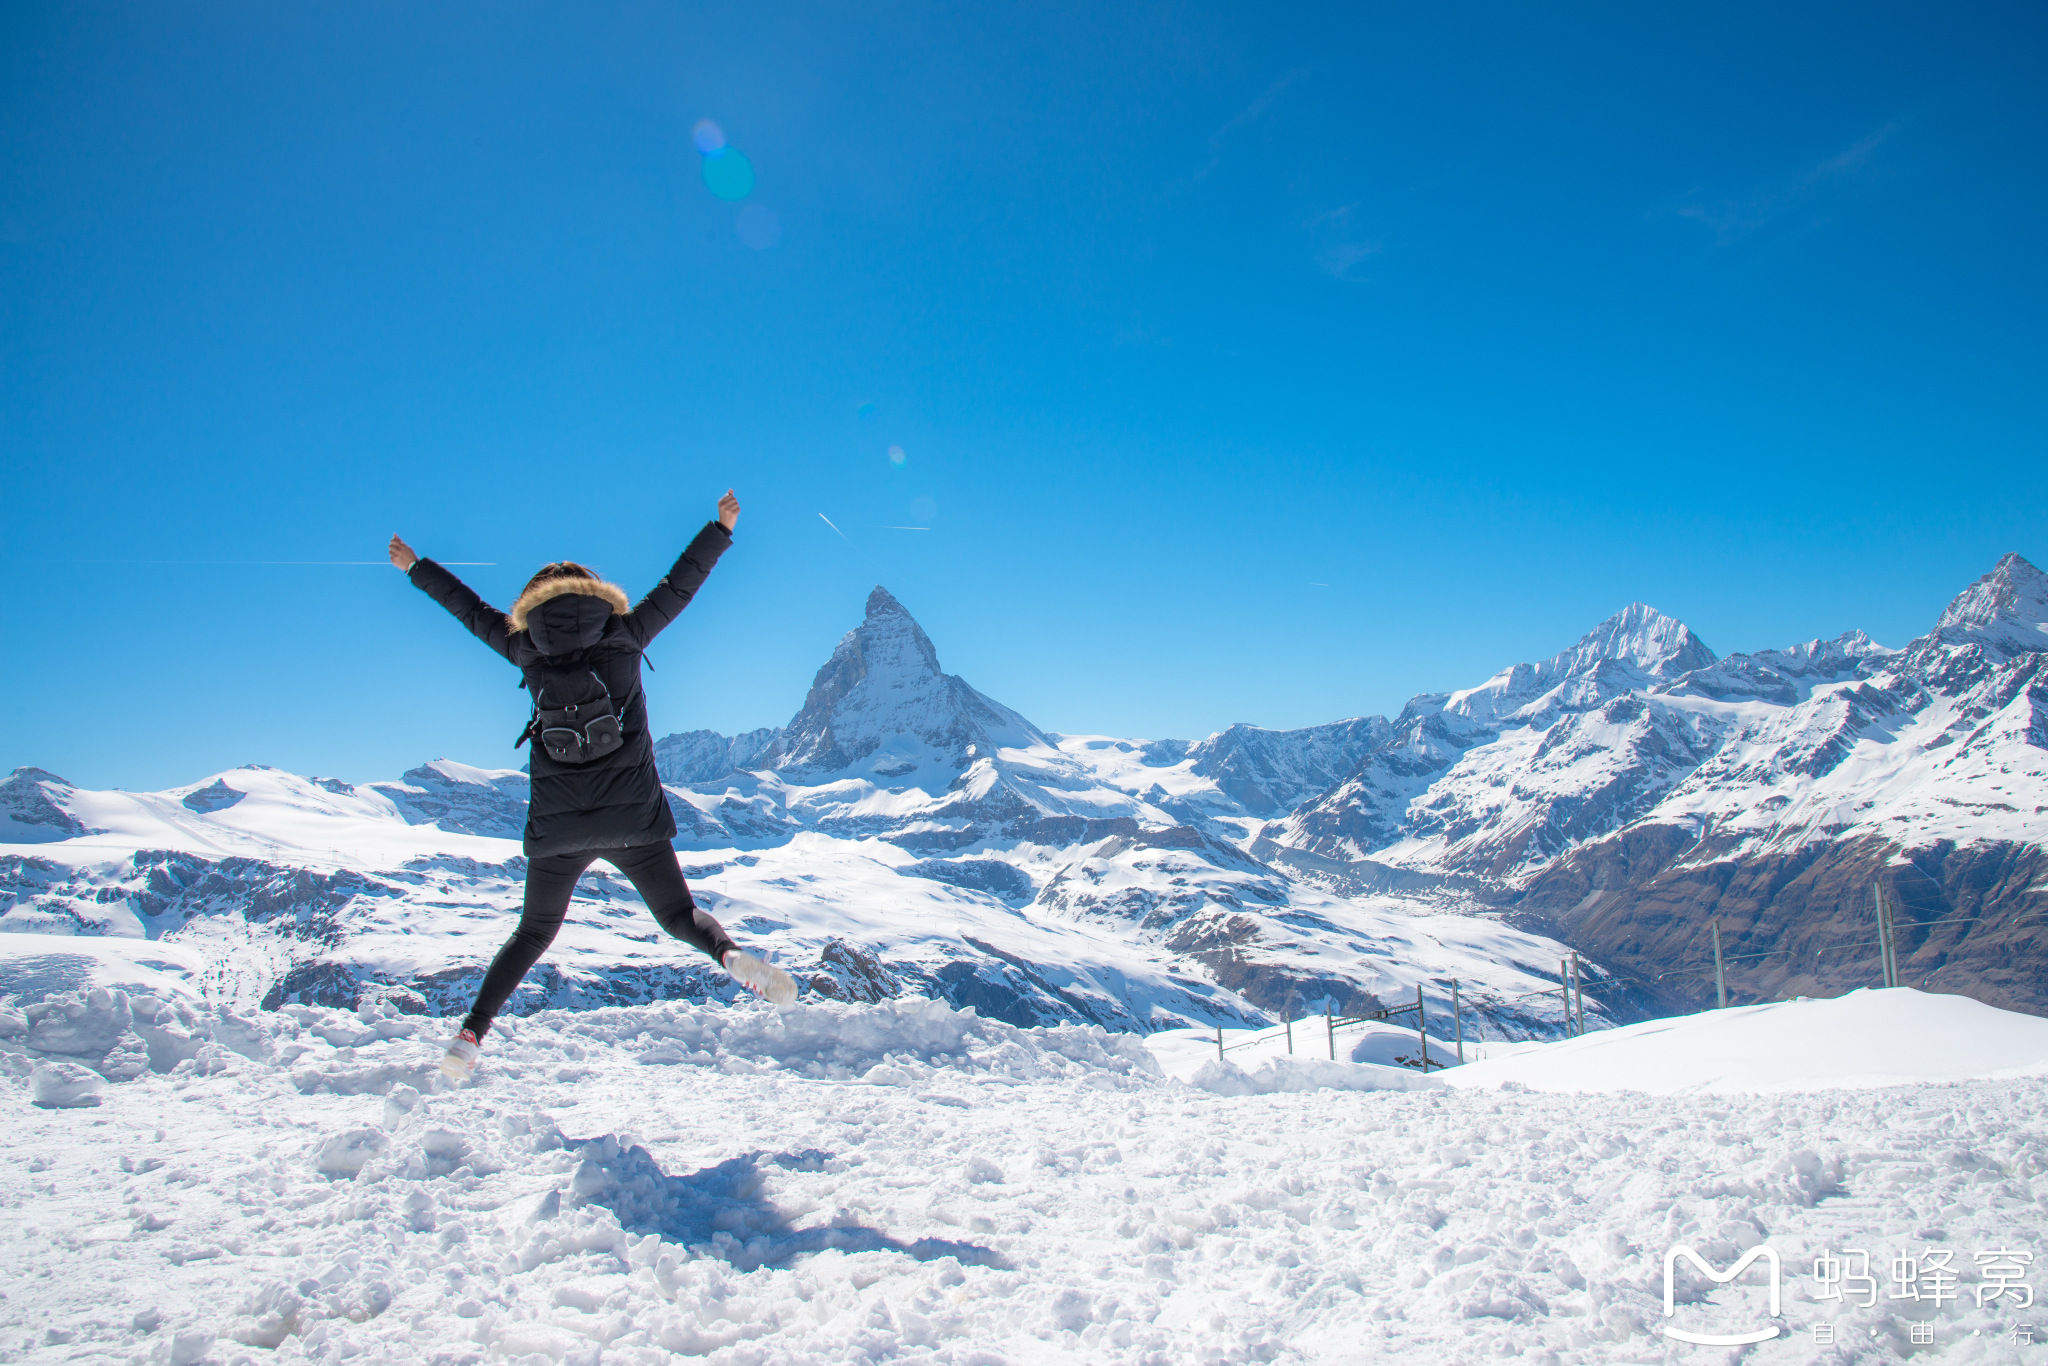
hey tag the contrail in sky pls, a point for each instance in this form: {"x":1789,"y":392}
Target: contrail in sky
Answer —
{"x":467,"y":564}
{"x":829,"y":522}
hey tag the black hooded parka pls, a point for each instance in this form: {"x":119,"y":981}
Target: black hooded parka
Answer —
{"x":615,"y":802}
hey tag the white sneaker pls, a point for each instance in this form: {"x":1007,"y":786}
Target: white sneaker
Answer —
{"x":761,"y":978}
{"x":460,"y":1059}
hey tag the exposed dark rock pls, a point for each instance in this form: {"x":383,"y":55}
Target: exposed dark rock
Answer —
{"x":301,"y":903}
{"x":1271,"y":772}
{"x":215,"y":796}
{"x":703,"y":756}
{"x":1054,"y":831}
{"x":512,"y":869}
{"x":1228,"y":946}
{"x":1164,"y":753}
{"x":1004,"y":881}
{"x":316,"y":984}
{"x":1005,"y":987}
{"x":428,"y":795}
{"x":1973,"y":921}
{"x":847,"y":972}
{"x":548,"y":987}
{"x":1209,"y":848}
{"x":27,"y":800}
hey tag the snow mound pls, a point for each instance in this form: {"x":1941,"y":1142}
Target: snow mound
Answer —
{"x":121,"y":1037}
{"x":64,"y":1086}
{"x":892,"y":1043}
{"x":1867,"y":1038}
{"x":375,"y":1050}
{"x":1374,"y":1056}
{"x":1277,"y":1075}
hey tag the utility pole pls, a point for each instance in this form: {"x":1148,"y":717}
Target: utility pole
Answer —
{"x":1578,"y":995}
{"x":1564,"y":993}
{"x":1720,"y":973}
{"x":1458,"y":1014}
{"x":1887,"y":934}
{"x":1891,"y":932}
{"x":1421,"y":1028}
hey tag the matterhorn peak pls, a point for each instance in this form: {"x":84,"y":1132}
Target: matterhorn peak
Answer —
{"x":882,"y":603}
{"x":882,"y":705}
{"x":2007,"y":609}
{"x":889,"y":641}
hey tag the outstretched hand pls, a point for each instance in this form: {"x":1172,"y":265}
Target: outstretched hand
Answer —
{"x":403,"y":557}
{"x":728,"y":511}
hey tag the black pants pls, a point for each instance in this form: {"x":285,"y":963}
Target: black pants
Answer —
{"x":551,"y":881}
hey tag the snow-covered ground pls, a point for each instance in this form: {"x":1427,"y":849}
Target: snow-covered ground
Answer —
{"x":906,"y":1182}
{"x":1866,"y":1038}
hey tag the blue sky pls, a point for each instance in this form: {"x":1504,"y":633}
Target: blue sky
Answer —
{"x":1248,"y":362}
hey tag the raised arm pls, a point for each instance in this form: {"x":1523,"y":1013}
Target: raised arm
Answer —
{"x":484,"y":621}
{"x":667,"y":599}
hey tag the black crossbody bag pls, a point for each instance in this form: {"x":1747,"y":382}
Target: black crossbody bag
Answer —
{"x":574,"y":719}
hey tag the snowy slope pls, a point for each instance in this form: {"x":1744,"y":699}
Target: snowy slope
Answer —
{"x":905,"y":1182}
{"x":292,"y":889}
{"x":1863,"y":1039}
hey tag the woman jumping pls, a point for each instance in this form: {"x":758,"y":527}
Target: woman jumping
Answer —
{"x":595,"y":793}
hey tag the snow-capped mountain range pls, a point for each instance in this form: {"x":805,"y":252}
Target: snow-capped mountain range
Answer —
{"x":904,"y":833}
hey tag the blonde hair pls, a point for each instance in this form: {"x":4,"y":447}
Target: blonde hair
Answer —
{"x":560,"y":569}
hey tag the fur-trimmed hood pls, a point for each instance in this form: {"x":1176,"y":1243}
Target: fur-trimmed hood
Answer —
{"x":561,"y":588}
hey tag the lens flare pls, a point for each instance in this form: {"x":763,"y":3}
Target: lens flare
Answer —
{"x":708,"y":136}
{"x":896,"y":455}
{"x":923,"y":509}
{"x":865,"y":410}
{"x":727,"y":174}
{"x":758,"y":227}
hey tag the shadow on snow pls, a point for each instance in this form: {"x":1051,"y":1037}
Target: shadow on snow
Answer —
{"x":723,"y":1210}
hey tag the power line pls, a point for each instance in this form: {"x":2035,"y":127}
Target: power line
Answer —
{"x":466,"y":564}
